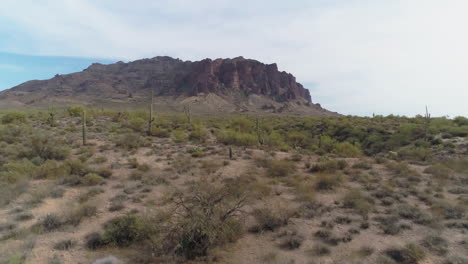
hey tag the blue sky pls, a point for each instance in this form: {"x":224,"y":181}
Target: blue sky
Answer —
{"x":356,"y":56}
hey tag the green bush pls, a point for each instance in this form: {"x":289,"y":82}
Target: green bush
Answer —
{"x":346,"y":149}
{"x":198,"y":134}
{"x":280,"y":168}
{"x":410,"y":254}
{"x":13,"y":117}
{"x":179,"y":136}
{"x":328,"y":166}
{"x":52,"y":169}
{"x":92,"y":179}
{"x":129,"y":141}
{"x":270,"y":219}
{"x":415,"y":153}
{"x":122,"y":231}
{"x":46,"y":148}
{"x":231,"y":137}
{"x":137,"y":124}
{"x":75,"y":110}
{"x":357,"y":201}
{"x":327,"y":182}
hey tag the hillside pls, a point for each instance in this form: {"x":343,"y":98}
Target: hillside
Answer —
{"x":221,"y":85}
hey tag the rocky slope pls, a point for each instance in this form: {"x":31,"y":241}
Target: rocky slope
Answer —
{"x":224,"y":85}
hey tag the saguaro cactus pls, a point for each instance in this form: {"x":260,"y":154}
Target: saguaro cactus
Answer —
{"x":151,"y":118}
{"x":427,"y":123}
{"x":230,"y":153}
{"x":83,"y":127}
{"x":188,"y":113}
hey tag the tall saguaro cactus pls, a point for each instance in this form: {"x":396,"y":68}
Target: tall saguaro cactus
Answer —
{"x":151,"y":118}
{"x":188,"y":113}
{"x":427,"y":123}
{"x":83,"y":127}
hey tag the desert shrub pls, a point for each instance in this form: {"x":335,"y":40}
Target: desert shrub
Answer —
{"x":231,"y":137}
{"x":198,"y":134}
{"x":363,"y":165}
{"x":10,"y":191}
{"x":122,"y":231}
{"x":196,"y":152}
{"x":328,"y":166}
{"x":133,"y":163}
{"x":346,"y":149}
{"x":65,"y":244}
{"x":210,"y":166}
{"x":15,"y":171}
{"x":94,"y":191}
{"x":270,"y":219}
{"x":75,"y":110}
{"x":389,"y":225}
{"x":296,"y":139}
{"x":291,"y":240}
{"x":458,"y":131}
{"x":415,"y":153}
{"x":104,"y":172}
{"x":129,"y":141}
{"x":160,"y":132}
{"x":320,"y":250}
{"x":461,"y":121}
{"x":414,"y":214}
{"x":49,"y":223}
{"x":15,"y":117}
{"x":137,"y":124}
{"x":100,"y":160}
{"x":327,"y":182}
{"x":327,"y":237}
{"x":182,"y":165}
{"x":460,"y":165}
{"x":449,"y":211}
{"x":179,"y":136}
{"x":94,"y":241}
{"x":46,"y":148}
{"x":143,"y":167}
{"x":81,"y":212}
{"x":92,"y":179}
{"x":409,"y":254}
{"x":439,"y":171}
{"x":357,"y":201}
{"x":77,"y":167}
{"x":435,"y":244}
{"x":205,"y":216}
{"x":52,"y":169}
{"x":401,"y":169}
{"x":276,"y":140}
{"x":280,"y":168}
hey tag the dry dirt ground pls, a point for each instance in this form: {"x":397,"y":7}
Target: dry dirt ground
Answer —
{"x":328,"y":231}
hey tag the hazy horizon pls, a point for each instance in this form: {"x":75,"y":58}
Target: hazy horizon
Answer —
{"x":356,"y":57}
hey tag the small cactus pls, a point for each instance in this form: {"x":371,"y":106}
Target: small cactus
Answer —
{"x":83,"y":127}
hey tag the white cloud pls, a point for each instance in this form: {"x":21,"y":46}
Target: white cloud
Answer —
{"x":364,"y":56}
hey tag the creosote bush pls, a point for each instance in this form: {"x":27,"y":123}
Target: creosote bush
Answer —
{"x":409,"y":254}
{"x":280,"y":168}
{"x":271,"y":218}
{"x":328,"y":166}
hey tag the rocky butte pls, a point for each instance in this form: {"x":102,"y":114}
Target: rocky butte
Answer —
{"x":221,"y":85}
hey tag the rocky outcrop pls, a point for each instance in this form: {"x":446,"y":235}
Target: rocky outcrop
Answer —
{"x":173,"y":77}
{"x":239,"y":84}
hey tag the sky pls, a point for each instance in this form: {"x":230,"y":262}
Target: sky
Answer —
{"x":357,"y":57}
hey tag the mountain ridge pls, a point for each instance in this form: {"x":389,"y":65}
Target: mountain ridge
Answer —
{"x":246,"y":85}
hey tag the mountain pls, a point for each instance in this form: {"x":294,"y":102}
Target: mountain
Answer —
{"x":221,"y":85}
